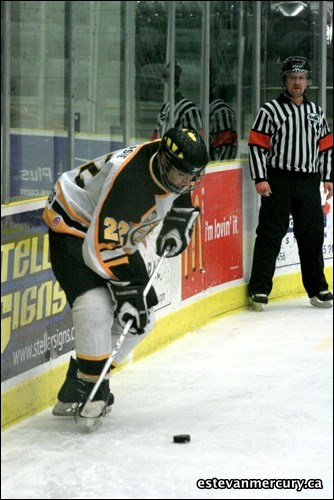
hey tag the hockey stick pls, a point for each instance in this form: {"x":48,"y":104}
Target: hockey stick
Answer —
{"x":123,"y":335}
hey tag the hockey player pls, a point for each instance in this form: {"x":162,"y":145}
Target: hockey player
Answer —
{"x":186,"y":112}
{"x":97,"y":215}
{"x":290,"y":153}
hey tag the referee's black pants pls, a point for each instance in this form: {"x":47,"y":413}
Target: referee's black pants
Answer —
{"x":301,"y":197}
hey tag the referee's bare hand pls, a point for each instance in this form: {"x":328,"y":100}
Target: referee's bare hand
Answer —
{"x":263,"y":188}
{"x":328,"y":189}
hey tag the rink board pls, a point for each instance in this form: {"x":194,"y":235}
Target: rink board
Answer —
{"x":207,"y":281}
{"x":38,"y":393}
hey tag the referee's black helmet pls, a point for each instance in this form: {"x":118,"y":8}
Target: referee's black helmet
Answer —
{"x":295,"y":64}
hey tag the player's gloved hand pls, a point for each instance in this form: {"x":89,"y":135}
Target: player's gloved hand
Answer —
{"x":130,"y":304}
{"x":176,"y":231}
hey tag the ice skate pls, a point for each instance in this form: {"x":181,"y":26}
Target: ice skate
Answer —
{"x":322,"y":299}
{"x":74,"y":393}
{"x":258,"y":301}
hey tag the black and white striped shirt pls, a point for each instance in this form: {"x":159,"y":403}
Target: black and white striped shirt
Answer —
{"x":290,"y":138}
{"x":186,"y":114}
{"x":222,"y":130}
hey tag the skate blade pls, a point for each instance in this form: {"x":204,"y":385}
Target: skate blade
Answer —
{"x":256,"y":306}
{"x":92,"y":413}
{"x":322,"y":305}
{"x":65,"y":409}
{"x":60,"y":410}
{"x":92,"y":424}
{"x":93,"y":409}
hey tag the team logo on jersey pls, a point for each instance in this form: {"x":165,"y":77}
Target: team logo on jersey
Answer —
{"x":56,"y":221}
{"x":313,"y":117}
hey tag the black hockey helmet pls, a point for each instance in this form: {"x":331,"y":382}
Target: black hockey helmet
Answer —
{"x":185,"y":150}
{"x":295,"y":64}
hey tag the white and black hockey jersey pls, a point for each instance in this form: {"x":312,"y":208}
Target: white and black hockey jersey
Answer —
{"x":112,"y":202}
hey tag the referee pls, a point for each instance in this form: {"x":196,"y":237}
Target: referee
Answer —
{"x":186,"y":113}
{"x":290,"y":153}
{"x":222,"y":127}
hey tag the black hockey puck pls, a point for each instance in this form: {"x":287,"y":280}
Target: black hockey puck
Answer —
{"x":181,"y":438}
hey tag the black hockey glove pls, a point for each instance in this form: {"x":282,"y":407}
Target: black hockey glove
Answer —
{"x":176,"y":231}
{"x":130,"y":304}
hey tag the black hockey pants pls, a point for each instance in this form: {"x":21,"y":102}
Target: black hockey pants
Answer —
{"x":299,"y":196}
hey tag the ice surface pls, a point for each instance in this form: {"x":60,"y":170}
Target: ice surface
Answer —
{"x":254,"y":391}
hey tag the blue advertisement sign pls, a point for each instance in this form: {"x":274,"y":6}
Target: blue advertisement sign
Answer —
{"x":38,"y":160}
{"x":36,"y":320}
